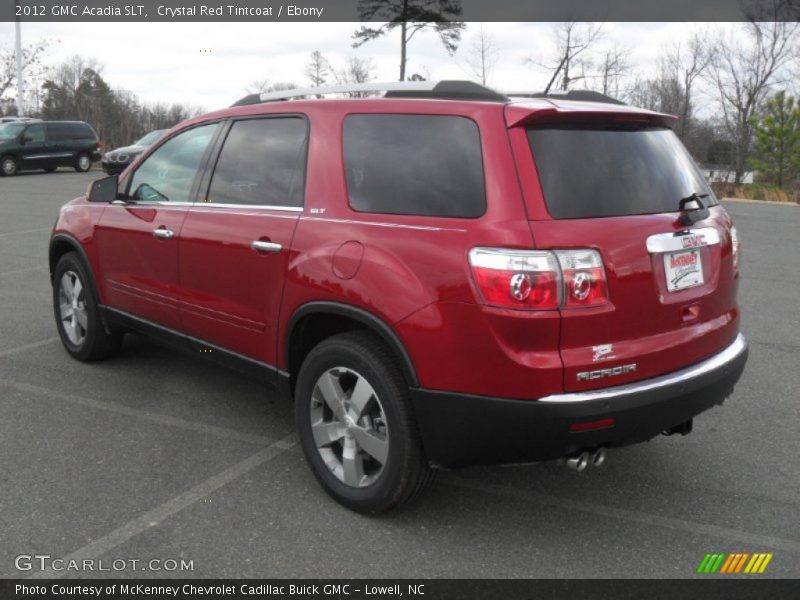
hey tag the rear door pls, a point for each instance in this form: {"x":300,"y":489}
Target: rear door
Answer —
{"x":236,"y":243}
{"x":615,"y":187}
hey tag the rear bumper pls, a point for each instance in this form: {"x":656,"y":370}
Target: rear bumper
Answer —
{"x":459,"y":429}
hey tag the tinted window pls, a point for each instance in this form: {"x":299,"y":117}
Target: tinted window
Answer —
{"x":610,"y":172}
{"x":262,"y":162}
{"x":150,"y":138}
{"x":169,"y":172}
{"x":34,"y":134}
{"x":69,"y":131}
{"x":414,"y":165}
{"x":10,"y":130}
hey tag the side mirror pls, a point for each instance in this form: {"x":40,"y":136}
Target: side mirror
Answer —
{"x":103,"y":190}
{"x":25,"y":139}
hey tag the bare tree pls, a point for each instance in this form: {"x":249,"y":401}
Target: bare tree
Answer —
{"x":318,"y":69}
{"x":482,"y":55}
{"x":411,"y":16}
{"x":355,"y":70}
{"x":612,"y":69}
{"x":262,"y":86}
{"x":685,"y":64}
{"x":31,"y":64}
{"x":746,"y":65}
{"x":573,"y":41}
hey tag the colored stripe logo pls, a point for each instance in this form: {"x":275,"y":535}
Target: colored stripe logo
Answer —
{"x":735,"y":563}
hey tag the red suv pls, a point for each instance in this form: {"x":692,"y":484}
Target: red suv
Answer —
{"x":438,"y":277}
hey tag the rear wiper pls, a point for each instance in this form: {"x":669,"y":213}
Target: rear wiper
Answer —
{"x":694,"y":214}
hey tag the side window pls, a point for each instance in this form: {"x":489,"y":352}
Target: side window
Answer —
{"x":263,"y":161}
{"x":414,"y":165}
{"x":168,"y":173}
{"x":34,"y":133}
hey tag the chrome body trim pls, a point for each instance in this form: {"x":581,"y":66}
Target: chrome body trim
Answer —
{"x":682,"y":240}
{"x":684,"y":375}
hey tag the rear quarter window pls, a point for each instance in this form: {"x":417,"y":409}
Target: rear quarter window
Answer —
{"x":60,"y":132}
{"x":427,"y":165}
{"x":605,"y":172}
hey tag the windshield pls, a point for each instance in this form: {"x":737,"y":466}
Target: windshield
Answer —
{"x":150,"y":138}
{"x":10,"y":130}
{"x":604,"y":172}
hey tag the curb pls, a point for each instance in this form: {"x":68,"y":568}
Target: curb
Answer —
{"x":769,"y":202}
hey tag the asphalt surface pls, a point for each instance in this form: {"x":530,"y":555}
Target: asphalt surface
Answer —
{"x":155,"y":455}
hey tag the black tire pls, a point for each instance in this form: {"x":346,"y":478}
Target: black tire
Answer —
{"x":96,"y":343}
{"x":50,"y":169}
{"x":8,"y":166}
{"x":405,"y":471}
{"x":83,"y":162}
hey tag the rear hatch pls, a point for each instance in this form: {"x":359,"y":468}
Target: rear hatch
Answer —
{"x":612,"y":182}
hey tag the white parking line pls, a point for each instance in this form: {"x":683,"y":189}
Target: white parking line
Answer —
{"x":161,"y":419}
{"x":632,"y":516}
{"x":153,"y":517}
{"x":30,"y":346}
{"x":26,"y":231}
{"x":39,"y":268}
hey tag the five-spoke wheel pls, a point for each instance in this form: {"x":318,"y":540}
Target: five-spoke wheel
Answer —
{"x":356,"y":427}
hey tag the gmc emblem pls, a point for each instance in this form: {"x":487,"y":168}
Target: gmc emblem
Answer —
{"x":694,"y":241}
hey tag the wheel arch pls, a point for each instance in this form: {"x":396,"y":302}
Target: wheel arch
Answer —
{"x":63,"y":243}
{"x":315,"y":321}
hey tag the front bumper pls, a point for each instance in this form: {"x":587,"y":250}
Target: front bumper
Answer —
{"x":460,"y":429}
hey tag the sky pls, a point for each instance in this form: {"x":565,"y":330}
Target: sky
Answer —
{"x":211,"y":65}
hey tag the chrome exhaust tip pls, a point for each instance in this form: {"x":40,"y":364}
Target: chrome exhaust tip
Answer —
{"x":578,"y":462}
{"x":599,"y":457}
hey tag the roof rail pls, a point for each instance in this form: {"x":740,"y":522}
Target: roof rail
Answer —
{"x":577,"y":95}
{"x":437,"y":90}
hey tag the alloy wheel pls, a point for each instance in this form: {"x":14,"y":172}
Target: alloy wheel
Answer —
{"x":349,"y":427}
{"x":72,"y":307}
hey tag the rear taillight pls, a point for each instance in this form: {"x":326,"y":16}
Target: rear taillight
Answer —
{"x":539,"y":279}
{"x":735,"y":246}
{"x":584,"y":277}
{"x":517,"y":278}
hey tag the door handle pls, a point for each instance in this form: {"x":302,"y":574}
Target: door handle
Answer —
{"x":262,"y":246}
{"x":163,"y":234}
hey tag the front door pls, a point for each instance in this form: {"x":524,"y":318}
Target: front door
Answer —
{"x":235,"y":246}
{"x":137,"y":240}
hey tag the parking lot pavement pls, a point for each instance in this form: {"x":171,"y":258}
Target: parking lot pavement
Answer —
{"x":154,"y":455}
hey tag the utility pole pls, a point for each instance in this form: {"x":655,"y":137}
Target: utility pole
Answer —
{"x":18,"y":52}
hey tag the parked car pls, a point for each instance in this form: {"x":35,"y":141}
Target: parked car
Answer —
{"x":117,"y":160}
{"x":4,"y":120}
{"x":440,"y":277}
{"x":47,"y":145}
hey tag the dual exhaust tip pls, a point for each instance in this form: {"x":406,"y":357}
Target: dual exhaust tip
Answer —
{"x":579,"y":462}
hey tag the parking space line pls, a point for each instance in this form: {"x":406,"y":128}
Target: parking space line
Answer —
{"x":632,"y":516}
{"x":30,"y":346}
{"x":39,"y":268}
{"x":25,"y":231}
{"x":161,"y":419}
{"x":154,"y":517}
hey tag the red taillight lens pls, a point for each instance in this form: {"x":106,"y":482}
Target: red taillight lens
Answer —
{"x":584,"y":277}
{"x":539,"y":279}
{"x":516,"y":278}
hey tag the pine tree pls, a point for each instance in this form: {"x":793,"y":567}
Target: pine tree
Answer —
{"x":776,"y":150}
{"x":411,"y":16}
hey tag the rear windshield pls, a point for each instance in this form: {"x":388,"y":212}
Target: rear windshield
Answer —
{"x":613,"y":172}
